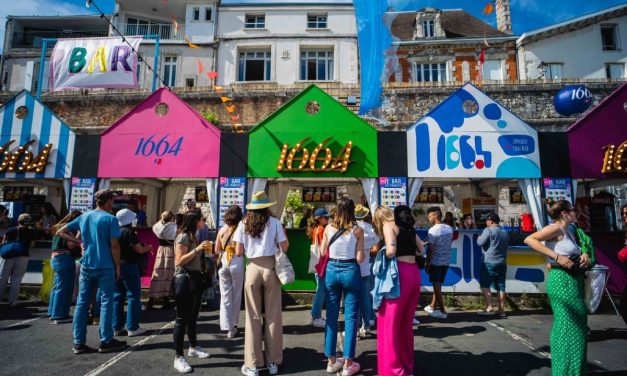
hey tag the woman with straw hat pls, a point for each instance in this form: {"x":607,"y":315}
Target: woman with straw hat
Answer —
{"x":257,"y":237}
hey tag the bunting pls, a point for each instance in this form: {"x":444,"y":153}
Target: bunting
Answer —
{"x":489,"y":8}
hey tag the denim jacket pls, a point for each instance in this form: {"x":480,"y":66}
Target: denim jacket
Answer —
{"x":386,"y":279}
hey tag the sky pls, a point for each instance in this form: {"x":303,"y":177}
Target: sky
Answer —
{"x":527,"y":15}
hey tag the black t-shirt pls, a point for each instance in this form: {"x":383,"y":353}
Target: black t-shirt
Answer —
{"x":128,"y":239}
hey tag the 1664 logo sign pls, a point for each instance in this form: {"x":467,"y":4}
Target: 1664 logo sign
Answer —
{"x":613,"y":159}
{"x":310,"y":162}
{"x":22,"y":159}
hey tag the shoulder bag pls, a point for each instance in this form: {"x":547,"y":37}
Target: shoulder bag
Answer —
{"x":13,"y":248}
{"x":229,"y":249}
{"x":284,"y":269}
{"x":321,"y":266}
{"x":314,"y":252}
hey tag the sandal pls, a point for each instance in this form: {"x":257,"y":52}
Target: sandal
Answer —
{"x":485,"y":312}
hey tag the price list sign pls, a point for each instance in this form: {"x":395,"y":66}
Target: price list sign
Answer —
{"x":393,"y":191}
{"x":558,"y":189}
{"x":232,"y":192}
{"x":82,"y":194}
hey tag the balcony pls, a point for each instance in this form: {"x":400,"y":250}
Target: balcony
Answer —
{"x":34,"y":39}
{"x":166,"y":32}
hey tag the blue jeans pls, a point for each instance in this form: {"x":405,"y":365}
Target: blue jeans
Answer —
{"x":63,"y":289}
{"x":104,"y":279}
{"x":127,"y":287}
{"x":316,"y":308}
{"x":365,"y":303}
{"x":373,"y":314}
{"x":342,"y":279}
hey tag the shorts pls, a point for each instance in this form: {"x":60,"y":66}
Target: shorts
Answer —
{"x":437,"y":273}
{"x":493,"y":275}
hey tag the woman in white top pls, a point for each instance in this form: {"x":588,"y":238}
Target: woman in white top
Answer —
{"x":565,"y":289}
{"x":231,"y":273}
{"x":342,"y":278}
{"x":257,"y":236}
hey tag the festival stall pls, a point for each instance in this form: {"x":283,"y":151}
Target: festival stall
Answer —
{"x":470,"y":155}
{"x":598,"y":158}
{"x":36,"y":160}
{"x":316,"y":148}
{"x":159,"y":155}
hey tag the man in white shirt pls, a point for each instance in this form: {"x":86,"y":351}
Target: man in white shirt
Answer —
{"x":438,"y":259}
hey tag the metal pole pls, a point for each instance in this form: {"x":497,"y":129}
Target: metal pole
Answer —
{"x":42,"y":63}
{"x":156,"y":37}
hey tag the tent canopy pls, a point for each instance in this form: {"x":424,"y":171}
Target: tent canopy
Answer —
{"x":311,"y":118}
{"x":24,"y":119}
{"x":161,"y":137}
{"x":470,"y":135}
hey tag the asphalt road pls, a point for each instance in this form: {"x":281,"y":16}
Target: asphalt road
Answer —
{"x":464,"y":344}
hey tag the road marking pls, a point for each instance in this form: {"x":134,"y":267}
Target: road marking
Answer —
{"x":20,"y":323}
{"x":121,"y":355}
{"x":518,"y":338}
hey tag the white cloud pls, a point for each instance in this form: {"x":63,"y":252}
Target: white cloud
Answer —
{"x":35,"y":8}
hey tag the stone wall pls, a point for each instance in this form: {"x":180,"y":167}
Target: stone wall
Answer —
{"x":402,"y":105}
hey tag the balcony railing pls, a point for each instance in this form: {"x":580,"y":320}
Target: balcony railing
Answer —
{"x":165,"y":31}
{"x":34,"y":39}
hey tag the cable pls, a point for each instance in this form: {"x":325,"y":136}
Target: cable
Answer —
{"x":139,"y":57}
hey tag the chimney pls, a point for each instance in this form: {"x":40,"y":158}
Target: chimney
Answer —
{"x":503,"y":16}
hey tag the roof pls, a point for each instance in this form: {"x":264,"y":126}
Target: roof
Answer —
{"x":283,"y":2}
{"x":456,"y":23}
{"x":573,"y":24}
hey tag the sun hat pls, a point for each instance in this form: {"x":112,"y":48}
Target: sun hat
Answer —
{"x":24,"y":219}
{"x":260,"y":200}
{"x":321,"y":212}
{"x":125,"y":217}
{"x":361,"y":211}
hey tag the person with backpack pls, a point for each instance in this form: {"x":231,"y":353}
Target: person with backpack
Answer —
{"x":128,"y":285}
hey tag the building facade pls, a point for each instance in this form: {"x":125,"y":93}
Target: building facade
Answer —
{"x":269,"y":41}
{"x":433,"y":45}
{"x":589,"y":47}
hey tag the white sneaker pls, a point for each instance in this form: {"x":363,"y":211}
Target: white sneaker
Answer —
{"x":249,"y":371}
{"x":350,"y":371}
{"x":339,"y":363}
{"x":319,"y":322}
{"x":198,"y":352}
{"x":363,"y":332}
{"x":438,"y":314}
{"x":416,"y":322}
{"x":232,"y":333}
{"x":428,"y":309}
{"x":137,"y":332}
{"x":273,"y":368}
{"x":180,"y":364}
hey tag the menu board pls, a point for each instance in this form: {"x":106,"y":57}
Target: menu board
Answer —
{"x":319,"y":194}
{"x":558,"y":189}
{"x":516,"y":196}
{"x":17,"y":193}
{"x":393,"y":191}
{"x":201,"y":194}
{"x":82,"y":194}
{"x":232,"y":192}
{"x":430,"y":195}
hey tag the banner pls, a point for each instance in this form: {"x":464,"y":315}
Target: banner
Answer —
{"x":94,"y":63}
{"x":232,"y":192}
{"x":82,"y":194}
{"x":393,"y":191}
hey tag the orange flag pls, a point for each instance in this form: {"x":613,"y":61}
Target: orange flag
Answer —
{"x":201,"y":68}
{"x":235,"y":118}
{"x":190,"y":44}
{"x":489,"y":8}
{"x":212,"y":75}
{"x":230,"y":109}
{"x":226,"y":99}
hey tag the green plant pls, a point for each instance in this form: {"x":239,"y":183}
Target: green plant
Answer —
{"x":295,"y":207}
{"x":210,"y":116}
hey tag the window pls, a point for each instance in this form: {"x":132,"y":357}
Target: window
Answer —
{"x":316,"y":65}
{"x":254,"y":66}
{"x":207,"y":14}
{"x":189,"y":82}
{"x":430,"y":72}
{"x":196,"y":14}
{"x":615,"y":70}
{"x":492,"y":70}
{"x":169,"y":71}
{"x":609,"y":37}
{"x":255,"y":22}
{"x":554,"y":71}
{"x":316,"y":21}
{"x":428,"y":28}
{"x":142,"y":27}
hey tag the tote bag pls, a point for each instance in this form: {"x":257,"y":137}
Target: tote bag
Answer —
{"x":284,"y":269}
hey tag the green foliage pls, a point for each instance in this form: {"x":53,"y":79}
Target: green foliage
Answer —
{"x":210,"y":116}
{"x":295,"y":207}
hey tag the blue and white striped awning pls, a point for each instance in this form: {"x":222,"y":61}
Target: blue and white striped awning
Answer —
{"x":43,"y":126}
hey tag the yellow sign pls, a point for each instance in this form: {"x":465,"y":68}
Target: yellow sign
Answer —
{"x":22,"y":160}
{"x":309,"y":162}
{"x":613,"y":159}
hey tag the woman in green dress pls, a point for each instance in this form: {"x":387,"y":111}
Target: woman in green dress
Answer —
{"x":565,"y":289}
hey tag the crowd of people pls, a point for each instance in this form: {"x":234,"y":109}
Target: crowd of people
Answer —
{"x":367,"y":264}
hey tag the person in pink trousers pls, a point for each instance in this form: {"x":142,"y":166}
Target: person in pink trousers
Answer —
{"x":395,"y":335}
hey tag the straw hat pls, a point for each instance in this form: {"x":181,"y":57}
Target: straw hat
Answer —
{"x":260,"y":200}
{"x":361,"y":211}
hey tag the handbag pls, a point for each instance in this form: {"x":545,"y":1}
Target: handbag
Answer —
{"x":229,"y":249}
{"x":283,"y":267}
{"x":13,"y":248}
{"x":321,"y":266}
{"x":576,"y":269}
{"x":182,"y":283}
